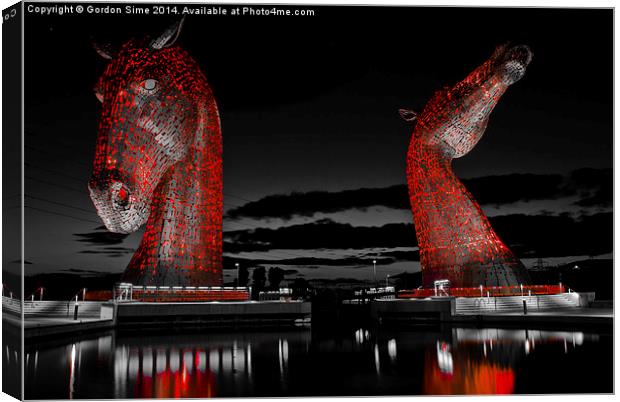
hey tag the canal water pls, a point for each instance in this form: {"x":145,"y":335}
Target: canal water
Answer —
{"x":305,"y":362}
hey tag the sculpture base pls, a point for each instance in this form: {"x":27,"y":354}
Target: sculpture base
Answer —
{"x":505,"y":273}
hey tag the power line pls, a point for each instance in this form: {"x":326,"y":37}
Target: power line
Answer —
{"x":61,"y":214}
{"x":61,"y":204}
{"x":55,"y":184}
{"x":56,"y":172}
{"x":47,"y":153}
{"x":65,"y":145}
{"x":266,"y":256}
{"x":249,"y":226}
{"x":281,"y":253}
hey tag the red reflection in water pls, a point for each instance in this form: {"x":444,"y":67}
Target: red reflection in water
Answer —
{"x":188,"y":381}
{"x":469,"y":377}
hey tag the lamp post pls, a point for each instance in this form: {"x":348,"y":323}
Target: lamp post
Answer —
{"x":237,"y":266}
{"x":374,"y":272}
{"x":387,"y":281}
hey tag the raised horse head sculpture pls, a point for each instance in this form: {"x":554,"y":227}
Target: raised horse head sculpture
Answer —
{"x":158,"y":160}
{"x":455,"y":238}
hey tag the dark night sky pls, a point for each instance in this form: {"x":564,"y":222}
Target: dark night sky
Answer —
{"x":310,"y":103}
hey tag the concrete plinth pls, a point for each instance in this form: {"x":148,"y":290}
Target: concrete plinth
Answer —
{"x":432,"y":309}
{"x":215,"y":314}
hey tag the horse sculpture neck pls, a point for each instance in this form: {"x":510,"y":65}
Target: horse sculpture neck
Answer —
{"x":182,"y":243}
{"x":455,"y":238}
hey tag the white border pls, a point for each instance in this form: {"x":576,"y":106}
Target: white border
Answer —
{"x":480,"y":3}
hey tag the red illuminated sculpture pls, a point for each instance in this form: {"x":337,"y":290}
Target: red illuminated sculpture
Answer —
{"x":158,"y":161}
{"x":455,"y":238}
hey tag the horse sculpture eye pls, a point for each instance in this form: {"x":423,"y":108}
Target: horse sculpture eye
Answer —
{"x":149,"y":85}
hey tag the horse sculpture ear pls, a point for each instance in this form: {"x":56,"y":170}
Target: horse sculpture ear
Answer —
{"x":408,"y":115}
{"x":104,"y":51}
{"x":169,"y":36}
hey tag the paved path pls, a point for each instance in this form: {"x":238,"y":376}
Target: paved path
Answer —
{"x":581,"y":312}
{"x":41,"y":326}
{"x":583,"y":317}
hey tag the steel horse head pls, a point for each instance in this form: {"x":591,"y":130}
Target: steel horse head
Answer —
{"x":158,"y":160}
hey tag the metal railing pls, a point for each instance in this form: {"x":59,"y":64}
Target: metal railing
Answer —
{"x":486,"y":291}
{"x":128,"y":292}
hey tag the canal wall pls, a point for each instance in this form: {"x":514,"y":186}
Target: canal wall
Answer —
{"x":399,"y":310}
{"x":250,"y":313}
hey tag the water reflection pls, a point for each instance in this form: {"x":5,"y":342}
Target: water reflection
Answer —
{"x":472,"y":367}
{"x":179,"y":366}
{"x":12,"y":362}
{"x":350,"y":362}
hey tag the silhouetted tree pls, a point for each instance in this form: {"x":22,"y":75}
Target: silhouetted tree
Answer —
{"x":258,"y":281}
{"x":300,"y":287}
{"x":244,"y":275}
{"x":275,"y":276}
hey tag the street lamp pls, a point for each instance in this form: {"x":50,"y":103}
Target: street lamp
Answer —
{"x":237,"y":266}
{"x":387,"y":281}
{"x":374,"y":271}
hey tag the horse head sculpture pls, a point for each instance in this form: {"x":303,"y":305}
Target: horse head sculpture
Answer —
{"x":455,"y":238}
{"x":158,"y":160}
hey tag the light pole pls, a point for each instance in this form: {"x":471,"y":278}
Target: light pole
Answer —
{"x":237,"y":266}
{"x":374,"y":272}
{"x":387,"y":281}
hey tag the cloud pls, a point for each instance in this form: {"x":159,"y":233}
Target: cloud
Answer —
{"x":526,"y":235}
{"x":322,"y":234}
{"x":506,"y":189}
{"x":307,"y":204}
{"x":556,"y":236}
{"x":313,"y":261}
{"x":101,"y":238}
{"x":594,"y":187}
{"x":84,"y":271}
{"x":110,"y":251}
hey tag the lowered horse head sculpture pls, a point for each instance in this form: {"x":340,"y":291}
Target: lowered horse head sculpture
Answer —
{"x":455,"y":238}
{"x":158,"y":160}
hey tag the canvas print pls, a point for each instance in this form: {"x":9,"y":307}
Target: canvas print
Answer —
{"x":298,"y":200}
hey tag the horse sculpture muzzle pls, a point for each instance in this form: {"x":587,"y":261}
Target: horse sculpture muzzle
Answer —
{"x":114,"y":197}
{"x":515,"y":62}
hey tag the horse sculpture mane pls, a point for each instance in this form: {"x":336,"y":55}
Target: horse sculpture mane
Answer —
{"x":158,"y":160}
{"x":455,"y":238}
